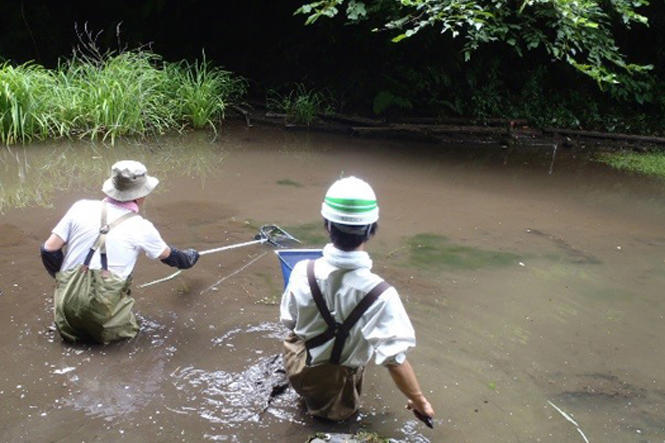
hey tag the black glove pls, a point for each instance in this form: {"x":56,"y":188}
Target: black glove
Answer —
{"x":52,"y":260}
{"x":184,"y":259}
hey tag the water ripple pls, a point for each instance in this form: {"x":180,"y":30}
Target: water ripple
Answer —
{"x":235,"y":399}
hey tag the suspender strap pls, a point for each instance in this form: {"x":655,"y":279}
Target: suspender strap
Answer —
{"x":352,"y":319}
{"x":318,"y":297}
{"x":100,"y":243}
{"x":335,"y":330}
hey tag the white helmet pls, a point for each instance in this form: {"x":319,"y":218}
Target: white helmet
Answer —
{"x":350,"y":201}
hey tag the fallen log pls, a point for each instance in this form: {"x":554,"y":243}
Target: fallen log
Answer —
{"x":452,"y":129}
{"x":464,"y":121}
{"x":271,"y":114}
{"x":244,"y":112}
{"x":430,"y":129}
{"x":606,"y":135}
{"x":352,"y":119}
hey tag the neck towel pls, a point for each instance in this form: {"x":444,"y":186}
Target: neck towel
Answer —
{"x":131,"y":205}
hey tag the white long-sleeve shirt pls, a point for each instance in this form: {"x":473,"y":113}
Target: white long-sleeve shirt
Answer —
{"x":344,"y":278}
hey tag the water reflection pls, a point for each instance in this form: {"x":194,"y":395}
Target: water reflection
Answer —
{"x":33,"y":179}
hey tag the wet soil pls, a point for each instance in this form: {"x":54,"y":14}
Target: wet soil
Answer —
{"x":526,"y":289}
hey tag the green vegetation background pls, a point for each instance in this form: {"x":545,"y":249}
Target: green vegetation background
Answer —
{"x":355,"y":69}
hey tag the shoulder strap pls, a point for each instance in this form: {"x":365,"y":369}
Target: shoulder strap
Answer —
{"x":104,"y":229}
{"x":335,"y":330}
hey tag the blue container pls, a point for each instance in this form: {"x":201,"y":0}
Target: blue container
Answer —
{"x":289,"y":257}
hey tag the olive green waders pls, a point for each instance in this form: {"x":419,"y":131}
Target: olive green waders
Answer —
{"x":330,"y":390}
{"x":93,"y":304}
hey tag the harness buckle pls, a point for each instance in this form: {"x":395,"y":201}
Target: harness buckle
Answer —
{"x":104,"y":229}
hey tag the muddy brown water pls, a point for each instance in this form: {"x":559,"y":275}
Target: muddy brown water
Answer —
{"x":529,"y":292}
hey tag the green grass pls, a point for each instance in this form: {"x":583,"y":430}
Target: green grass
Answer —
{"x":651,"y":163}
{"x":204,"y":92}
{"x":24,"y":104}
{"x":131,"y":93}
{"x":301,"y":105}
{"x":431,"y":251}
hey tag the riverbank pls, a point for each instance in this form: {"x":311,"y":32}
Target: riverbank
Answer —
{"x":137,"y":93}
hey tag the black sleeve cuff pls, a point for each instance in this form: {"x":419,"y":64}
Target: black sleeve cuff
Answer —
{"x":52,"y":260}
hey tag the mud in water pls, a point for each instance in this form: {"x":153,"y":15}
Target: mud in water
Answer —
{"x":533,"y":295}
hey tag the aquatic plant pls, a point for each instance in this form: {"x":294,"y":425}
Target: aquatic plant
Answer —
{"x":124,"y":94}
{"x":111,"y":95}
{"x":301,"y":105}
{"x":433,"y":251}
{"x":651,"y":163}
{"x":202,"y":92}
{"x":24,"y":103}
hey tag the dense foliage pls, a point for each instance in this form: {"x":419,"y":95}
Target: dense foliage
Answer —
{"x":576,"y":32}
{"x":529,"y":59}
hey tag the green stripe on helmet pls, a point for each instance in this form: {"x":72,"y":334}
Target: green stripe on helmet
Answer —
{"x":350,"y":204}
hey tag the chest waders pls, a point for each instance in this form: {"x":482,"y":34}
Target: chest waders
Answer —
{"x":93,"y":304}
{"x":338,"y":331}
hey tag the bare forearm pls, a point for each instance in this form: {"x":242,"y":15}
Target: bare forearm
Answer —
{"x":406,"y":381}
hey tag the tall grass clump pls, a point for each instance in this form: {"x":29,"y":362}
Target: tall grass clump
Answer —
{"x":202,"y":92}
{"x":125,"y":94}
{"x":24,"y":102}
{"x":301,"y":105}
{"x":105,"y":96}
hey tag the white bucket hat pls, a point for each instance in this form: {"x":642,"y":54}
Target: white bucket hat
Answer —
{"x":129,"y":181}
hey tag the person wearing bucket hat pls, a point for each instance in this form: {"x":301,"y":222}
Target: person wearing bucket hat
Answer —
{"x":103,"y":240}
{"x":341,"y":314}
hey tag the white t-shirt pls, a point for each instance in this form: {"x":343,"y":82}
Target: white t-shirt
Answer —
{"x":79,"y":228}
{"x":384,"y":330}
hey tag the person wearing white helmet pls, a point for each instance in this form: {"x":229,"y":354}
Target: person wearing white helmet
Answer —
{"x":341,"y":314}
{"x":103,"y":239}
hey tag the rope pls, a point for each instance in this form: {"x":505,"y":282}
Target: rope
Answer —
{"x":207,"y":251}
{"x":265,"y":237}
{"x":167,"y":278}
{"x":567,"y":417}
{"x":245,"y":266}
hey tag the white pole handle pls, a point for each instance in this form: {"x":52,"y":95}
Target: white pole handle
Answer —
{"x":239,"y":245}
{"x":208,"y":251}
